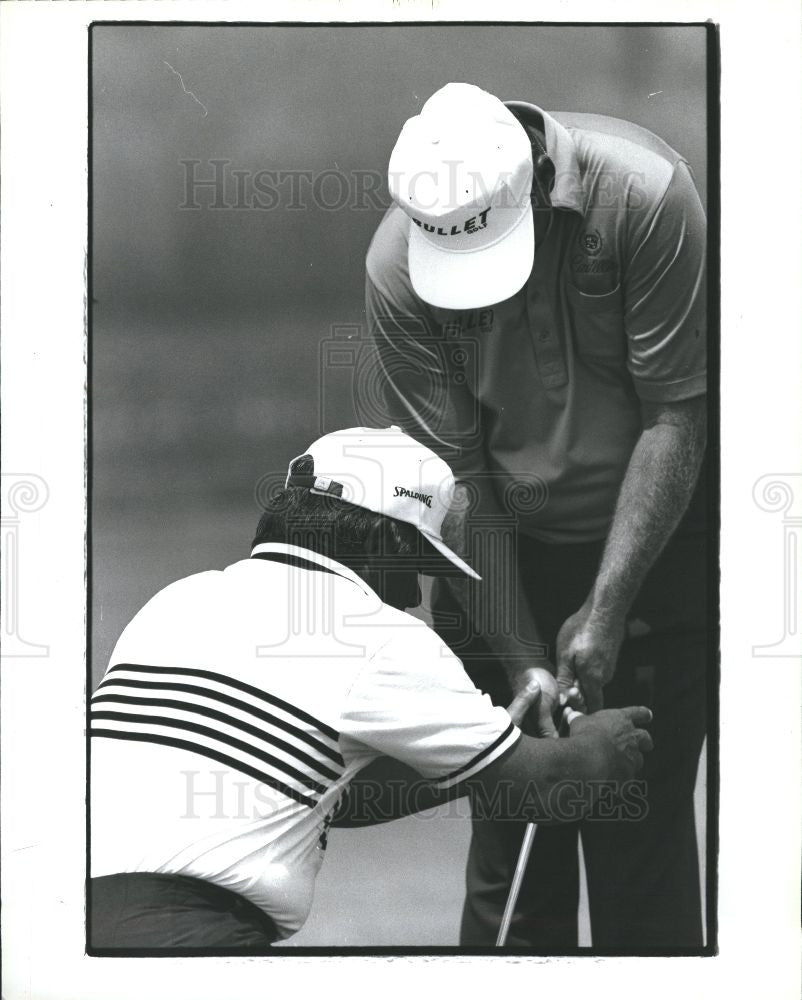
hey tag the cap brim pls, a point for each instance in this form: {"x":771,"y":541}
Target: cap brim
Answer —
{"x":471,"y":280}
{"x":452,"y":558}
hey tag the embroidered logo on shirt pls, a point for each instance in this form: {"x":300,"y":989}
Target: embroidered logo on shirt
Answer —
{"x":587,"y":261}
{"x":423,"y":497}
{"x":592,"y":242}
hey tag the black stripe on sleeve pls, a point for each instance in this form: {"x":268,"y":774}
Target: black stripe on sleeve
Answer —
{"x":475,"y":760}
{"x":192,"y":727}
{"x":210,"y":713}
{"x":255,"y":692}
{"x":221,"y":758}
{"x":302,"y":734}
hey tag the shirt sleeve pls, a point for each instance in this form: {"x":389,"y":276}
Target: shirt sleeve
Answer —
{"x":415,"y":360}
{"x":414,"y":702}
{"x":665,"y":302}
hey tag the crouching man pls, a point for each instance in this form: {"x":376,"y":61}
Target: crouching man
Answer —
{"x":270,"y":685}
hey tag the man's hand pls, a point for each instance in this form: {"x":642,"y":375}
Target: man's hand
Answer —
{"x":621,"y":737}
{"x":536,"y":696}
{"x":655,"y":493}
{"x":602,"y":748}
{"x":587,"y":651}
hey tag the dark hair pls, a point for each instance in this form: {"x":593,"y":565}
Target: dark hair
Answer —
{"x":328,"y":525}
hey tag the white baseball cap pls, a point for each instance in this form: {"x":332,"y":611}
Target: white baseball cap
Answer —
{"x":462,"y":172}
{"x":390,"y":473}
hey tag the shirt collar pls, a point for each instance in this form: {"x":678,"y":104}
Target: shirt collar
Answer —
{"x":315,"y":557}
{"x":568,"y":191}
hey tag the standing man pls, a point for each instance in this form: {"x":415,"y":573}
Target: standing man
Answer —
{"x":536,"y":297}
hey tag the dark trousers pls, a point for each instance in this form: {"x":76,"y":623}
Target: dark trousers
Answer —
{"x":150,"y":913}
{"x":643,"y":876}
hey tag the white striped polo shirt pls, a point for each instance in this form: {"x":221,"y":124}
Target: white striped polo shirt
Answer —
{"x":238,"y":705}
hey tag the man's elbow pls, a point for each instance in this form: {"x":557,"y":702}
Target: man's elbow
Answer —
{"x":689,"y":415}
{"x":682,"y":429}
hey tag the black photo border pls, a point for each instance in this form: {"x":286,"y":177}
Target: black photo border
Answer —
{"x":713,"y":49}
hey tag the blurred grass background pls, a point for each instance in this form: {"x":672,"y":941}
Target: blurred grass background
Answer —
{"x":207,"y":324}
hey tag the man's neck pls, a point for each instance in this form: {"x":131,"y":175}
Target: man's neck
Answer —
{"x":543,"y":174}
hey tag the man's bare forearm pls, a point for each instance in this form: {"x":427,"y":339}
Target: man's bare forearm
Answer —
{"x":655,"y":494}
{"x":544,"y":781}
{"x":386,"y":790}
{"x":496,"y":608}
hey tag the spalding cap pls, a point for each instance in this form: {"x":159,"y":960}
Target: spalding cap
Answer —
{"x":462,"y":171}
{"x":390,"y":473}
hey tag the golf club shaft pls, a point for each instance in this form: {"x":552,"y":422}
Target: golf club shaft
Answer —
{"x":523,"y":860}
{"x":515,"y":887}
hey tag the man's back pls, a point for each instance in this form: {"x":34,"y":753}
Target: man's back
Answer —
{"x":239,"y":704}
{"x":216,"y":749}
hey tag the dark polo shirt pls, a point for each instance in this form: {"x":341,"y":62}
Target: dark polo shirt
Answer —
{"x":545,"y":388}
